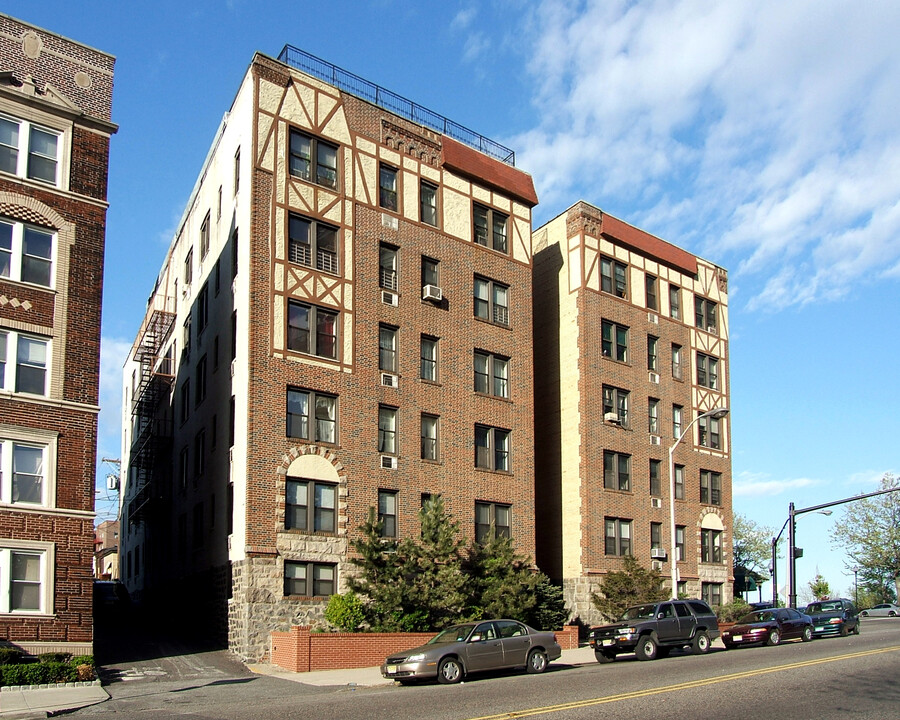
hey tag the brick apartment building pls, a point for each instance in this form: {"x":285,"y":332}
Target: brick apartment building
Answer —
{"x":106,"y":550}
{"x":342,"y":321}
{"x":631,"y":348}
{"x":55,"y":103}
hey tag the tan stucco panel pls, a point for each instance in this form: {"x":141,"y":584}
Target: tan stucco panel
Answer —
{"x":457,"y":214}
{"x":336,"y":126}
{"x":410,"y":196}
{"x":278,"y":322}
{"x":366,"y":178}
{"x":266,"y":145}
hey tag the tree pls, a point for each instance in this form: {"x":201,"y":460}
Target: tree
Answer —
{"x":751,"y":547}
{"x":869,"y":532}
{"x":819,"y":587}
{"x":631,"y":585}
{"x":502,"y":583}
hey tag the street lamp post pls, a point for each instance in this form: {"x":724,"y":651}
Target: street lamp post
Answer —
{"x":855,"y":587}
{"x":717,"y":414}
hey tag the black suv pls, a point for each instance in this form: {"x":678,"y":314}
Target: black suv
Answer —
{"x":833,"y":617}
{"x":653,"y":629}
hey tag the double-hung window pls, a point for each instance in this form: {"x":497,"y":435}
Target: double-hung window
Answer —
{"x":613,"y":276}
{"x":387,"y":187}
{"x":387,"y":430}
{"x":311,"y":416}
{"x":677,"y":420}
{"x":674,"y":302}
{"x":312,"y":243}
{"x":710,"y":487}
{"x":28,"y":373}
{"x":491,"y":448}
{"x":26,"y":571}
{"x":652,"y":353}
{"x":650,"y":284}
{"x":29,"y":151}
{"x":490,"y":228}
{"x":676,"y":361}
{"x":387,"y":512}
{"x":26,"y":468}
{"x":26,"y":253}
{"x":615,"y":401}
{"x":312,"y":330}
{"x":429,"y":432}
{"x":491,"y":374}
{"x":711,"y":546}
{"x":618,"y":536}
{"x":430,"y":274}
{"x":614,"y":340}
{"x":309,"y":579}
{"x":616,"y":471}
{"x":387,"y":348}
{"x":707,"y":371}
{"x":679,"y":482}
{"x":705,"y":314}
{"x":655,"y":487}
{"x":428,"y":203}
{"x":428,"y":358}
{"x":680,"y":542}
{"x":204,"y":237}
{"x":491,"y":518}
{"x":491,"y":301}
{"x":387,"y":267}
{"x":708,"y":432}
{"x":653,"y":416}
{"x":313,"y":159}
{"x":310,"y":505}
{"x":655,"y":536}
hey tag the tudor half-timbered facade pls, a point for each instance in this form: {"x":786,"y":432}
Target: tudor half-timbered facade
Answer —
{"x":342,"y":322}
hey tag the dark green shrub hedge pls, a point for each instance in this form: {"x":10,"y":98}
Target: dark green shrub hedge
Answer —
{"x":47,"y":672}
{"x":10,"y":656}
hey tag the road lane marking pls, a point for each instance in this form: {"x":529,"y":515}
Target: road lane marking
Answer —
{"x":680,"y":686}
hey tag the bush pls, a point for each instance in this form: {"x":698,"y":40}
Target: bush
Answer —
{"x":733,"y":611}
{"x":57,"y":657}
{"x":48,"y":671}
{"x":10,"y":656}
{"x":345,"y":612}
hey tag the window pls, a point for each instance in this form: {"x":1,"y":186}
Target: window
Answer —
{"x":615,"y":401}
{"x":677,"y":420}
{"x":616,"y":471}
{"x":387,"y":512}
{"x":197,"y":530}
{"x":430,"y":274}
{"x":653,"y":416}
{"x":650,"y":284}
{"x":309,"y":579}
{"x":614,"y":340}
{"x":305,"y":150}
{"x":26,"y":571}
{"x":185,"y":400}
{"x":387,"y":430}
{"x":676,"y":361}
{"x":219,"y":204}
{"x":202,"y":308}
{"x":711,"y":593}
{"x":299,"y":404}
{"x":491,"y":374}
{"x":674,"y":301}
{"x":655,"y":487}
{"x":387,"y":187}
{"x":199,"y":455}
{"x":237,"y":171}
{"x":490,"y":228}
{"x":491,"y":301}
{"x":618,"y":536}
{"x":428,"y":203}
{"x":189,"y":269}
{"x":491,"y":448}
{"x":612,"y":277}
{"x":201,"y":380}
{"x":310,"y":505}
{"x":184,"y":469}
{"x":708,"y":433}
{"x":322,"y":342}
{"x":652,"y":353}
{"x":679,"y":482}
{"x":707,"y":371}
{"x":491,"y":517}
{"x":679,"y":542}
{"x":387,"y":267}
{"x":186,"y":335}
{"x":26,"y":253}
{"x":312,"y":243}
{"x":234,"y":254}
{"x":387,"y":348}
{"x":29,"y":372}
{"x":41,"y":159}
{"x":232,"y":420}
{"x":705,"y":313}
{"x":234,"y":333}
{"x":204,"y":237}
{"x":24,"y":473}
{"x":428,"y":358}
{"x":429,"y":427}
{"x":710,"y":487}
{"x":711,"y":546}
{"x":655,"y":536}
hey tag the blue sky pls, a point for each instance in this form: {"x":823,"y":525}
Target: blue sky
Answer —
{"x":760,"y":135}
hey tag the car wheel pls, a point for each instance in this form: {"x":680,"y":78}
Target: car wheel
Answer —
{"x":774,"y":638}
{"x":603,"y":656}
{"x":450,"y":671}
{"x":891,"y":613}
{"x":856,"y":628}
{"x":646,"y":648}
{"x":806,"y":636}
{"x":864,"y":613}
{"x":844,"y":631}
{"x":536,"y":662}
{"x":700,"y":645}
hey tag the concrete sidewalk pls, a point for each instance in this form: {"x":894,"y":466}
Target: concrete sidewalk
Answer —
{"x":17,"y":703}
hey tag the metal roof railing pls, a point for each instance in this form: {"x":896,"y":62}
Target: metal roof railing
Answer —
{"x":392,"y":102}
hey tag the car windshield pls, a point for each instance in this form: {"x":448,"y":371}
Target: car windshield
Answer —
{"x":639,"y":612}
{"x":456,"y":633}
{"x":758,"y":616}
{"x":822,"y":607}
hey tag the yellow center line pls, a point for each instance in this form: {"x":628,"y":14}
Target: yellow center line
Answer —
{"x":680,"y":686}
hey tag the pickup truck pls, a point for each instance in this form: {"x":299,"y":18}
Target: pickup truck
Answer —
{"x":651,"y":630}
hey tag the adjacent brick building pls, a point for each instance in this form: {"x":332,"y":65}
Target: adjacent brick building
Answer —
{"x":55,"y":127}
{"x":631,"y":348}
{"x":343,"y":321}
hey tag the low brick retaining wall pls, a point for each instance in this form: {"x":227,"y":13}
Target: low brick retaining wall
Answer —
{"x":300,"y":650}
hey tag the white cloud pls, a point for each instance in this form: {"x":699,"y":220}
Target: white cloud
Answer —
{"x":113,"y":353}
{"x":759,"y":485}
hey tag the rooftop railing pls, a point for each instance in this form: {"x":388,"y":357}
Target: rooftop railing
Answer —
{"x":392,"y":102}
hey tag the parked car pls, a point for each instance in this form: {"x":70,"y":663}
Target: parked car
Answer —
{"x":653,"y":629}
{"x":462,"y":649}
{"x":833,"y":617}
{"x":882,"y":610}
{"x":770,"y":627}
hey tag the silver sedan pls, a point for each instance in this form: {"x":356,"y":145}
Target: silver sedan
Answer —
{"x":883,"y":610}
{"x":472,"y":647}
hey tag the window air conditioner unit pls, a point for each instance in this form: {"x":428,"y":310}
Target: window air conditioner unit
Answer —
{"x":653,"y":317}
{"x":432,"y":292}
{"x":658,"y":553}
{"x":389,"y":380}
{"x":611,"y":417}
{"x":388,"y":462}
{"x":655,"y":565}
{"x":656,"y":502}
{"x":654,"y":440}
{"x":389,"y":298}
{"x":653,"y":377}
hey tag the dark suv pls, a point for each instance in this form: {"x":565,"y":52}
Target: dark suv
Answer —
{"x":833,"y":617}
{"x":653,"y":629}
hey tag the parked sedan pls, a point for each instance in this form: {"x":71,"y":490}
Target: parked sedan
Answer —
{"x":472,"y":647}
{"x":833,"y":617}
{"x":770,"y":627}
{"x":882,"y":610}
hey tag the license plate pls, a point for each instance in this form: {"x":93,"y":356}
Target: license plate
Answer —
{"x":820,"y":629}
{"x":607,"y":643}
{"x":391,"y":669}
{"x":737,"y":638}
